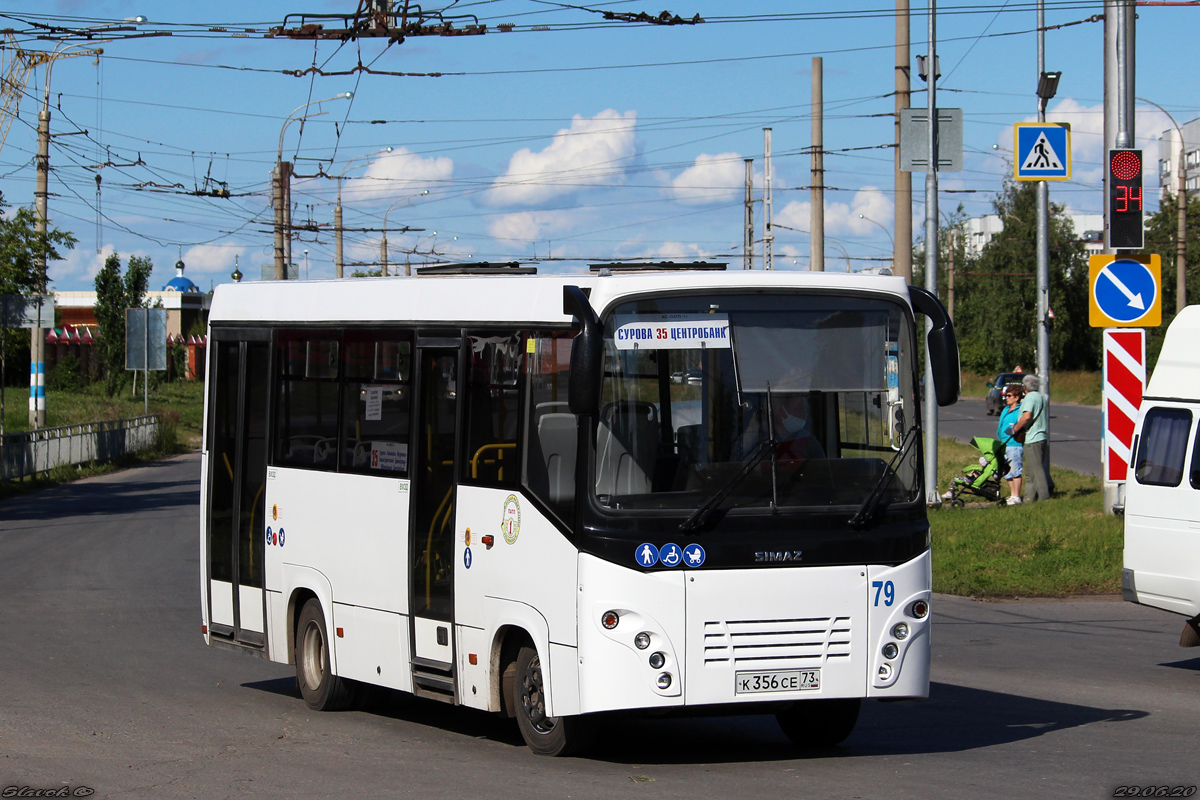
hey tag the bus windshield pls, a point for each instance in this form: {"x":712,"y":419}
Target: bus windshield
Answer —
{"x":785,"y":400}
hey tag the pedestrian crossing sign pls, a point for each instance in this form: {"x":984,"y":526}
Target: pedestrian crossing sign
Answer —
{"x":1043,"y":151}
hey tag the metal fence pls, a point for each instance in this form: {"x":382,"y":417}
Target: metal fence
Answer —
{"x":31,"y":452}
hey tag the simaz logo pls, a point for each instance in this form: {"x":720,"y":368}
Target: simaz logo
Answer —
{"x":763,"y":556}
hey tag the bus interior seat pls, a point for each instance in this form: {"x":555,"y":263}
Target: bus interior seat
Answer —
{"x":302,"y":449}
{"x":627,"y":443}
{"x":558,"y":435}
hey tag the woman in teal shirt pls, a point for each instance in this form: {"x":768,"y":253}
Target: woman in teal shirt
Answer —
{"x":1014,"y":450}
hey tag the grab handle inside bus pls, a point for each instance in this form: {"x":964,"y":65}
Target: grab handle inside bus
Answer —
{"x":587,"y":354}
{"x":942,"y":343}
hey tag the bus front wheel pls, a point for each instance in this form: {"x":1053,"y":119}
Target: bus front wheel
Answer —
{"x":545,"y":735}
{"x":819,"y":723}
{"x":321,"y":689}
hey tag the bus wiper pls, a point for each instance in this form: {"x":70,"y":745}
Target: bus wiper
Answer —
{"x":701,"y":515}
{"x":867,"y":511}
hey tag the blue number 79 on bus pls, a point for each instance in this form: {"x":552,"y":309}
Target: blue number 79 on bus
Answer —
{"x":888,"y":589}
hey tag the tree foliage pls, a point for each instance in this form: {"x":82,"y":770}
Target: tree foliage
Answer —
{"x":995,"y":311}
{"x":21,"y":247}
{"x":115,"y":293}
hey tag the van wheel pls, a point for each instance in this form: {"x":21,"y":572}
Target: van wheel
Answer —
{"x":820,"y":723}
{"x":321,"y":689}
{"x":545,"y":735}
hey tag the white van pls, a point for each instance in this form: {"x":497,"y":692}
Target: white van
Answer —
{"x":1162,"y":494}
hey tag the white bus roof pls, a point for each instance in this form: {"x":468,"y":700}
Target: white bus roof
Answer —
{"x":1177,"y":373}
{"x":500,"y":300}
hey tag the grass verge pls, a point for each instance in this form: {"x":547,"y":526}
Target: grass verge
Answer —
{"x":1066,"y":387}
{"x":1064,"y":546}
{"x":179,"y":404}
{"x":184,"y":400}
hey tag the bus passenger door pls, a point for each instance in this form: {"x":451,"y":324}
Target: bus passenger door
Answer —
{"x":237,"y":462}
{"x":431,"y":557}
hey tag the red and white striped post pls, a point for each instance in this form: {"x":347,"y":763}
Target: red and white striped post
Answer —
{"x":1124,"y":381}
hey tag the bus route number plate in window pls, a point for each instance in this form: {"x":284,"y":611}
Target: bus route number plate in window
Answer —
{"x":794,"y":680}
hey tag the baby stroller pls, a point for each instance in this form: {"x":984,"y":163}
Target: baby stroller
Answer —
{"x":981,"y":479}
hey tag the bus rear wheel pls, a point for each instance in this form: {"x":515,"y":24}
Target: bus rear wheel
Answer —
{"x":321,"y":689}
{"x":545,"y":735}
{"x":820,"y":723}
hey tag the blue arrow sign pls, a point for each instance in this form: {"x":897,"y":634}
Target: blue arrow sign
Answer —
{"x":1043,"y":152}
{"x":1126,"y":290}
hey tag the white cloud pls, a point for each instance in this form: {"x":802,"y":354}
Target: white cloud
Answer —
{"x":206,"y":260}
{"x":712,"y":179}
{"x":532,"y":226}
{"x":398,"y":174}
{"x":589,"y":153}
{"x":842,"y":218}
{"x":674,"y":251}
{"x":77,"y":271}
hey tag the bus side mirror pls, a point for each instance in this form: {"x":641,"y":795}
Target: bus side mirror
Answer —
{"x":587,"y":354}
{"x":942,"y":344}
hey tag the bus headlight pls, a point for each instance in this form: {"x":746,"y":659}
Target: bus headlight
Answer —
{"x":609,"y":619}
{"x":641,"y":641}
{"x":664,"y":681}
{"x":900,"y":631}
{"x":920,"y":609}
{"x":885,"y":671}
{"x":657,"y":660}
{"x":890,"y":650}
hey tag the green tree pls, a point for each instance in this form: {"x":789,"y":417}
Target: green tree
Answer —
{"x":996,"y":293}
{"x":115,"y":293}
{"x":1162,"y":230}
{"x":21,"y":247}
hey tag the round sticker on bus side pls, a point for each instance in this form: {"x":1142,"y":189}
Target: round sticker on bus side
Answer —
{"x":510,"y":523}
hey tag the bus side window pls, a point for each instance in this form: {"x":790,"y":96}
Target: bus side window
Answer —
{"x":551,"y":430}
{"x":1194,"y":477}
{"x":377,"y":401}
{"x":492,"y":410}
{"x":1163,"y":445}
{"x":306,"y":416}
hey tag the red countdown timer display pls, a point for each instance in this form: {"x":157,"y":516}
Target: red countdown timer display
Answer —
{"x":1125,"y":231}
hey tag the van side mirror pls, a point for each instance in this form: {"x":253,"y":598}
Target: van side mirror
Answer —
{"x":942,"y":344}
{"x":587,"y":354}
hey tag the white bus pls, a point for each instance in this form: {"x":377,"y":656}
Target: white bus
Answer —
{"x":1162,"y":492}
{"x":556,"y":496}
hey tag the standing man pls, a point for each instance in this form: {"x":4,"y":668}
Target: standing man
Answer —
{"x":1032,"y":422}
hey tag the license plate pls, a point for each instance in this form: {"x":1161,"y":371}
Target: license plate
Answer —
{"x":795,"y":680}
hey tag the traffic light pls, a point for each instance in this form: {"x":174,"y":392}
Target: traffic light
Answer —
{"x":1125,"y":200}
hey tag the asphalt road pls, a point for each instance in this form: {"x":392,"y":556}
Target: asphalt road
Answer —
{"x":107,"y":685}
{"x":1074,"y":431}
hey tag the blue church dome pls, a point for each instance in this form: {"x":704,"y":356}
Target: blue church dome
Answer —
{"x":180,"y":283}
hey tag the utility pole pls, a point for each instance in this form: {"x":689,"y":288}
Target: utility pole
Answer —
{"x":337,"y":234}
{"x":816,"y":241}
{"x":283,"y":218}
{"x":768,"y":235}
{"x":748,"y":245}
{"x":931,"y":267}
{"x":37,"y":340}
{"x":902,"y":240}
{"x":950,"y":241}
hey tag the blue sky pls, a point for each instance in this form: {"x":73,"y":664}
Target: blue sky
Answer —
{"x":567,"y":137}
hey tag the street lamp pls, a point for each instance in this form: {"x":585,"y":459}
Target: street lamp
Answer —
{"x":337,"y":210}
{"x":37,"y":342}
{"x":383,"y":253}
{"x":282,"y":189}
{"x":886,"y":231}
{"x":1181,"y":198}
